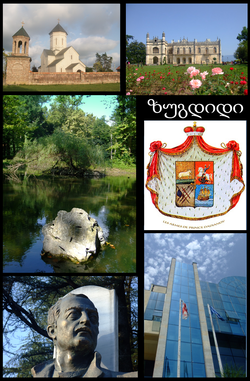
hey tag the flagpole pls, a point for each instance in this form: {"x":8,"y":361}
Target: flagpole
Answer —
{"x":215,"y":342}
{"x":179,"y":343}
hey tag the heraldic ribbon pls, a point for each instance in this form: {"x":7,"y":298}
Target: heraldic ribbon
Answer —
{"x":195,"y":180}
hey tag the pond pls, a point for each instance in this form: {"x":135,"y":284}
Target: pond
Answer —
{"x":28,"y":205}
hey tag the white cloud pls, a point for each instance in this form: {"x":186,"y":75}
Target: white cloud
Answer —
{"x":194,"y":245}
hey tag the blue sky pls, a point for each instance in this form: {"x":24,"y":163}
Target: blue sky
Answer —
{"x":217,"y":255}
{"x":92,"y":28}
{"x":192,"y":21}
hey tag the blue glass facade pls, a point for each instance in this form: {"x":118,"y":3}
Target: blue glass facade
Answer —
{"x":192,"y":359}
{"x":228,"y":297}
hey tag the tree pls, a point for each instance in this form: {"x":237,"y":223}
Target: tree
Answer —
{"x":103,"y":62}
{"x":124,"y":134}
{"x":26,"y":300}
{"x":243,"y":35}
{"x":241,"y":52}
{"x":136,"y":52}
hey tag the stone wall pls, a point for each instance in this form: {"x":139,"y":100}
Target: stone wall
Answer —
{"x":17,"y":70}
{"x":73,"y":78}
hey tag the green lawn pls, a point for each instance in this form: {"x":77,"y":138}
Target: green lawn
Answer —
{"x":56,"y":88}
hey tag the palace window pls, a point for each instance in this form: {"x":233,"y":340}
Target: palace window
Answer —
{"x":155,"y":50}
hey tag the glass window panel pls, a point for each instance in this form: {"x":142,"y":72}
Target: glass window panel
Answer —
{"x":193,"y":299}
{"x":159,"y":305}
{"x":172,"y":350}
{"x":184,"y":281}
{"x":197,"y":353}
{"x":191,"y":282}
{"x":225,"y":298}
{"x":170,"y":369}
{"x":151,"y":304}
{"x":217,"y":304}
{"x":193,"y":308}
{"x":243,"y":327}
{"x":192,"y":291}
{"x":196,"y":336}
{"x":176,"y":287}
{"x":174,"y":317}
{"x":216,"y":296}
{"x":194,"y":321}
{"x":203,"y":285}
{"x":239,"y":308}
{"x":177,"y":279}
{"x":191,"y":274}
{"x":161,"y":297}
{"x":184,"y":272}
{"x":184,"y":265}
{"x":185,"y":334}
{"x":240,"y":362}
{"x":148,"y":315}
{"x":234,"y":299}
{"x":227,"y":360}
{"x":153,"y":295}
{"x":237,"y":352}
{"x":228,"y":306}
{"x":225,"y":351}
{"x":198,"y":370}
{"x":185,"y":352}
{"x":212,"y":286}
{"x":172,"y":332}
{"x":186,"y":369}
{"x":236,"y":329}
{"x":184,"y":296}
{"x":175,"y":295}
{"x":175,"y":305}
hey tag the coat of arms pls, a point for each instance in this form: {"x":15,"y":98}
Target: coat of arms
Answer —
{"x":195,"y":180}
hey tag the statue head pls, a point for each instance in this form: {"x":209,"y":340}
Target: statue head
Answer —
{"x":73,"y":325}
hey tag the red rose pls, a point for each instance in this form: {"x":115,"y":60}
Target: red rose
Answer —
{"x":154,"y":146}
{"x":243,"y":82}
{"x":231,"y":68}
{"x":233,"y":145}
{"x":246,"y":92}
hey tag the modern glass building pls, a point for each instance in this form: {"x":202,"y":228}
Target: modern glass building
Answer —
{"x":198,"y":356}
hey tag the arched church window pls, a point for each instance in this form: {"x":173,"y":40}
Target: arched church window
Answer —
{"x":25,"y":47}
{"x":20,"y":44}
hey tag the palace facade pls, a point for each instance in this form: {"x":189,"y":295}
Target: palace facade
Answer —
{"x":182,"y":52}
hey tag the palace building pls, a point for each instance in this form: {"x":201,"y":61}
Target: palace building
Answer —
{"x":198,"y":355}
{"x":182,"y":52}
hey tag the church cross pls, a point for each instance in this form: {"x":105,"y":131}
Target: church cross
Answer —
{"x":22,"y":23}
{"x":58,"y":20}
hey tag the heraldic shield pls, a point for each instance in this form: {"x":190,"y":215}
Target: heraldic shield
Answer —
{"x":194,"y":180}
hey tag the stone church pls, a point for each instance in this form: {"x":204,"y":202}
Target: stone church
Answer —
{"x":182,"y":52}
{"x":60,"y":58}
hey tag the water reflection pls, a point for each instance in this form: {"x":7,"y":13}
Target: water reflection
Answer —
{"x":31,"y":204}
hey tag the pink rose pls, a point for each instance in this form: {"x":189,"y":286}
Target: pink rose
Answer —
{"x":195,"y":83}
{"x":191,"y":68}
{"x":194,"y":72}
{"x":154,"y":146}
{"x":203,"y":75}
{"x":217,"y":70}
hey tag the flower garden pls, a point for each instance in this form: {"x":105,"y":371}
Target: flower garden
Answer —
{"x":187,"y":80}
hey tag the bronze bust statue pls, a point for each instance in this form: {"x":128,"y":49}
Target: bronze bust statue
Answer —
{"x":73,"y":325}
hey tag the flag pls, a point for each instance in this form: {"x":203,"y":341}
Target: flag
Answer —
{"x":213,"y":311}
{"x":194,"y":180}
{"x":185,"y":313}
